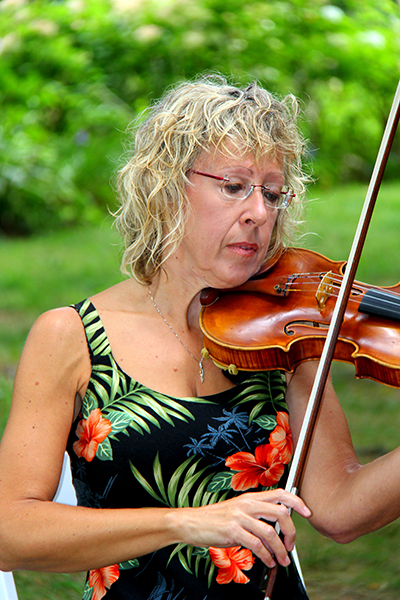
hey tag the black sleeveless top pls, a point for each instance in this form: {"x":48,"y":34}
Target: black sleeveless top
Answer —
{"x":132,"y":447}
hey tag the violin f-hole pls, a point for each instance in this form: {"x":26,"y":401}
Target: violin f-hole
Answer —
{"x":314,"y":324}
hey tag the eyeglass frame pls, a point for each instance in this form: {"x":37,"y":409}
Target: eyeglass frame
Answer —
{"x":289,"y":195}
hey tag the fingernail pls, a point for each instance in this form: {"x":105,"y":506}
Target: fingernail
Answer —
{"x":287,"y":561}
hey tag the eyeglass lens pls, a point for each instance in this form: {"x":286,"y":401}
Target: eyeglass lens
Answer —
{"x":238,"y":189}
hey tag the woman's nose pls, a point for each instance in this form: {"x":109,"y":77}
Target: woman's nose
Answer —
{"x":256,"y":210}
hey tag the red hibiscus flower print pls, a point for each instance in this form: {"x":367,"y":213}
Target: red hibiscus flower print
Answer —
{"x":264,"y":468}
{"x":91,"y":432}
{"x":100,"y":579}
{"x":281,"y":437}
{"x":231,"y":563}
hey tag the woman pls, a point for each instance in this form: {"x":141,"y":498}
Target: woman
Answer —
{"x":179,"y":468}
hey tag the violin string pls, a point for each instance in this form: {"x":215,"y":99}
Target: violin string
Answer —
{"x":335,"y":279}
{"x":312,"y":278}
{"x":304,"y":280}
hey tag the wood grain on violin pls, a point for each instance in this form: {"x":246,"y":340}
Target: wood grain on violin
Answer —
{"x":281,"y":318}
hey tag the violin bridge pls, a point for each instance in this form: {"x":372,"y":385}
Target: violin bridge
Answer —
{"x":325,"y":289}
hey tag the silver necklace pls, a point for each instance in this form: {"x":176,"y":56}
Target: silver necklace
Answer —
{"x":199,"y":362}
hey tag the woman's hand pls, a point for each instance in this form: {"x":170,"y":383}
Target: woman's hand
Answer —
{"x":241,"y":521}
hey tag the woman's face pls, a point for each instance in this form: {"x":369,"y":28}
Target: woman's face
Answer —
{"x":226,"y":241}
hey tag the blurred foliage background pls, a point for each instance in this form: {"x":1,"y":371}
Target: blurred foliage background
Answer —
{"x":74,"y":73}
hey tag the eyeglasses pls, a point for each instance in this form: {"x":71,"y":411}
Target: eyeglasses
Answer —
{"x":237,"y":187}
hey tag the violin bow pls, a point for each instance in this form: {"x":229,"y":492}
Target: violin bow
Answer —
{"x":314,"y":402}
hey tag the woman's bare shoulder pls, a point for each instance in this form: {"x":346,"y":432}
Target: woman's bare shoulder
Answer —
{"x":58,"y":324}
{"x":56,"y":347}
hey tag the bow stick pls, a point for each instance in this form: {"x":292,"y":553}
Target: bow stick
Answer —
{"x":315,"y":399}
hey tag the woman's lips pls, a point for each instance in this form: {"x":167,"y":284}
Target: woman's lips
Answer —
{"x":244,"y":248}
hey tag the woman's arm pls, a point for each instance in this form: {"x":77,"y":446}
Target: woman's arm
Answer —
{"x":347,"y":499}
{"x":37,"y":534}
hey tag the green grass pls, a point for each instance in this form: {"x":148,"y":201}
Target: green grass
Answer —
{"x":332,"y":219}
{"x":65,"y":267}
{"x":53,"y":270}
{"x":49,"y":586}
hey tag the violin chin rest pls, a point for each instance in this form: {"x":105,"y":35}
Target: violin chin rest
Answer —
{"x":208,"y":296}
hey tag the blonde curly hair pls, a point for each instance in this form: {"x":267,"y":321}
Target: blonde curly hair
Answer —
{"x":191,"y":118}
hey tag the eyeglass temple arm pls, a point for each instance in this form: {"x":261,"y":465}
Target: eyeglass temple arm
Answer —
{"x":207,"y":175}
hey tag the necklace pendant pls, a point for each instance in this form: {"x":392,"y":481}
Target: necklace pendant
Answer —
{"x":201,"y":371}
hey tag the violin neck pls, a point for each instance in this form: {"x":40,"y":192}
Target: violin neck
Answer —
{"x":380,"y":303}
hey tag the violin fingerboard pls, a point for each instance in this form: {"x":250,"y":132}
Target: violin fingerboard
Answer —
{"x":381,"y":303}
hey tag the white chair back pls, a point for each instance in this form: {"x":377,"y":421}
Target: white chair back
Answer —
{"x":7,"y":587}
{"x":65,"y":494}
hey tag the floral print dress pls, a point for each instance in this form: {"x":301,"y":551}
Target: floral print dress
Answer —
{"x":132,"y":447}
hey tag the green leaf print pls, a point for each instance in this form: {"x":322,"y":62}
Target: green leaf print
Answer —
{"x":220,"y":481}
{"x":129,"y":564}
{"x":101,"y":391}
{"x":174,"y":481}
{"x":183,"y":497}
{"x":98,"y":344}
{"x":141,"y":409}
{"x":163,"y":406}
{"x":104,"y":450}
{"x":266,"y":422}
{"x":89,"y":404}
{"x":158,"y":478}
{"x":119,"y":421}
{"x":211,"y":572}
{"x":178,"y":548}
{"x":110,"y":379}
{"x":87,"y":592}
{"x":199,"y":495}
{"x":256,"y":411}
{"x":139,"y":418}
{"x":145,"y":484}
{"x":185,"y":561}
{"x":202,"y":552}
{"x":267,"y":387}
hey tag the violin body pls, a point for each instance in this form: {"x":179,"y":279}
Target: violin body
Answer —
{"x":281,"y":318}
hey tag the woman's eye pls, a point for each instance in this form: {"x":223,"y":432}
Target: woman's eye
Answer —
{"x":234,"y":188}
{"x":270,"y":197}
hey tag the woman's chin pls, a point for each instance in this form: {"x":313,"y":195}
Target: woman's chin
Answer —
{"x":231,"y":280}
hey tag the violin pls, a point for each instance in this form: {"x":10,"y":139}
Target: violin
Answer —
{"x":280,"y":319}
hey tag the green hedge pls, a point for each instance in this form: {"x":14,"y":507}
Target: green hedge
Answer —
{"x":73,"y":74}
